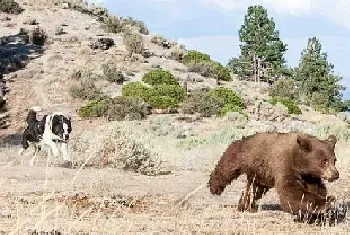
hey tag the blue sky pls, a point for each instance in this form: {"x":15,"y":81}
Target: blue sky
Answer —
{"x":211,"y":26}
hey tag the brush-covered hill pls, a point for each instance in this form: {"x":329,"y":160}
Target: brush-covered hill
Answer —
{"x":47,"y":73}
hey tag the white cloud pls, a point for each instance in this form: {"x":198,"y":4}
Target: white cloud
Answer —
{"x":335,"y":10}
{"x":293,"y":7}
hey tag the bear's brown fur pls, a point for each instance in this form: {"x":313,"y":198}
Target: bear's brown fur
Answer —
{"x":293,"y":163}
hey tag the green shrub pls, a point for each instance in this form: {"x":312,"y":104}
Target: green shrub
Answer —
{"x":111,"y":73}
{"x":173,"y":91}
{"x":144,"y":30}
{"x":59,"y":30}
{"x":113,"y":25}
{"x":118,"y":108}
{"x":195,"y":56}
{"x":209,"y":69}
{"x":228,"y":96}
{"x":230,"y":108}
{"x":160,"y":96}
{"x":10,"y":7}
{"x":177,"y":54}
{"x":133,"y":42}
{"x":95,"y":108}
{"x":23,"y":31}
{"x":203,"y":68}
{"x":31,"y":21}
{"x":130,"y":73}
{"x":159,"y":77}
{"x":138,"y":24}
{"x":85,"y":90}
{"x":283,"y":88}
{"x":293,"y":108}
{"x":136,"y":89}
{"x":38,"y":36}
{"x":122,"y":107}
{"x":222,"y":73}
{"x":158,"y":39}
{"x":204,"y":103}
{"x":99,"y":11}
{"x":162,"y":102}
{"x":82,"y":8}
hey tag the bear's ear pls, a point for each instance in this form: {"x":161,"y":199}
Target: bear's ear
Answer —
{"x":304,"y":142}
{"x":332,"y":139}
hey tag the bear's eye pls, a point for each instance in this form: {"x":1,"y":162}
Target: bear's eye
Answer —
{"x":324,"y":162}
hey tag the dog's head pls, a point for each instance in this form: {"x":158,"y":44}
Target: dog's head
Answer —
{"x":31,"y":117}
{"x":61,"y":126}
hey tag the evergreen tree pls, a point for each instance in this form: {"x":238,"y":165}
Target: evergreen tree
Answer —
{"x":260,"y":40}
{"x":318,"y":85}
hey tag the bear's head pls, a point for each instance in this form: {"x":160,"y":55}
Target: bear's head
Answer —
{"x":316,"y":158}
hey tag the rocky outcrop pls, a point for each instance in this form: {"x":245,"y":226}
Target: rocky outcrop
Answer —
{"x":102,"y":43}
{"x":264,"y":111}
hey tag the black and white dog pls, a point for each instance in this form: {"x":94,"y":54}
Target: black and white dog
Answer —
{"x":52,"y":130}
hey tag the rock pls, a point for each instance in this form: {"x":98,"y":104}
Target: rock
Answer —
{"x":163,"y":111}
{"x":55,"y":57}
{"x":65,"y":5}
{"x":146,"y":54}
{"x":102,"y":43}
{"x":265,"y":111}
{"x":155,"y":66}
{"x":189,"y":118}
{"x":341,"y":116}
{"x":166,"y":45}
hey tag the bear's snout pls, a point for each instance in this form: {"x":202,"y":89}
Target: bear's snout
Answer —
{"x":331,"y":174}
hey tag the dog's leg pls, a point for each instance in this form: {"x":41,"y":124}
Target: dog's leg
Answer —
{"x":25,"y":145}
{"x":20,"y":152}
{"x":53,"y":147}
{"x":67,"y":160}
{"x":31,"y":163}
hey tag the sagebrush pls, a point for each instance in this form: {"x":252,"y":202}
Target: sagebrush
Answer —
{"x":133,"y":42}
{"x":10,"y":6}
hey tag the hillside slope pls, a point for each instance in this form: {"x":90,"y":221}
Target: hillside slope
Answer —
{"x":47,"y":78}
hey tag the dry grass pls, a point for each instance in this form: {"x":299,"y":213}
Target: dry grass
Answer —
{"x":107,"y":200}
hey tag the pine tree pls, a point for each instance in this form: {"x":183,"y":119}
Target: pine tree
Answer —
{"x":261,"y":41}
{"x":318,"y":84}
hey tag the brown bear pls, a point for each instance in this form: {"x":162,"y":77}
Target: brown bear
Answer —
{"x":294,"y":163}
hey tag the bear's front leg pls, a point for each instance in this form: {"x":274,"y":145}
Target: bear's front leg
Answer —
{"x":296,"y":200}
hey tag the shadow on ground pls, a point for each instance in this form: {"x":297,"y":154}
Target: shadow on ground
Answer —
{"x":271,"y":207}
{"x":16,"y":52}
{"x":11,"y":140}
{"x":337,"y":215}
